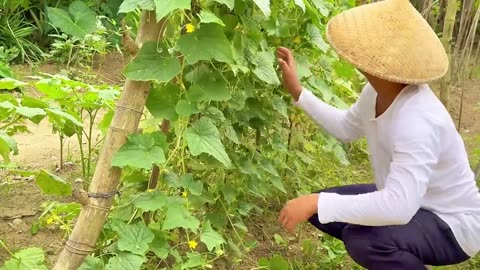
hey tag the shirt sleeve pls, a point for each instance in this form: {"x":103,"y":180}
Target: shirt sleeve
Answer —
{"x":415,"y":152}
{"x":345,"y":125}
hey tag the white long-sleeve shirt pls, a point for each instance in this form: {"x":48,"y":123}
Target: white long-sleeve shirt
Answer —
{"x":419,"y":161}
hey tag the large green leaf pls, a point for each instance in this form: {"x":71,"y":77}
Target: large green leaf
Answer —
{"x":301,"y":4}
{"x":278,"y":263}
{"x":186,"y":108}
{"x":133,"y":238}
{"x":207,"y":43}
{"x":62,"y":116}
{"x":92,"y":263}
{"x":52,"y":184}
{"x":26,"y":259}
{"x":229,"y":3}
{"x":30,"y":112}
{"x":317,"y":38}
{"x":203,"y":137}
{"x":207,"y":16}
{"x":195,"y":260}
{"x":210,"y":237}
{"x":194,"y":187}
{"x":150,"y":201}
{"x":130,"y":5}
{"x":162,"y":102}
{"x":164,"y":7}
{"x":125,"y":261}
{"x":10,"y":84}
{"x":280,"y":106}
{"x":209,"y":86}
{"x":80,"y":22}
{"x":160,"y":245}
{"x":150,"y":64}
{"x":264,"y":6}
{"x":52,"y":88}
{"x":7,"y":145}
{"x":264,"y":67}
{"x":178,"y":216}
{"x":141,"y":151}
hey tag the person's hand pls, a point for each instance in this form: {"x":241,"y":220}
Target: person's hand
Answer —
{"x":289,"y":72}
{"x":298,"y":211}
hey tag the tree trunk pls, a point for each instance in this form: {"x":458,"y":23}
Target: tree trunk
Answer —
{"x":96,"y":206}
{"x":447,"y":43}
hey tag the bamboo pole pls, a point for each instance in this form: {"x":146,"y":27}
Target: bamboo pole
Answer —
{"x":447,"y":43}
{"x":97,"y":202}
{"x":465,"y":60}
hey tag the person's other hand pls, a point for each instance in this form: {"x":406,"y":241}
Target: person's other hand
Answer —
{"x":297,"y":211}
{"x":289,"y":72}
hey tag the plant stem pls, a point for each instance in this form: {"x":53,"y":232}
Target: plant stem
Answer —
{"x":92,"y":117}
{"x":61,"y":151}
{"x":6,"y":248}
{"x":82,"y":154}
{"x":11,"y":123}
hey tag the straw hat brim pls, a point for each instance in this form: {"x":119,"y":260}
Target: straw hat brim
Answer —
{"x":389,"y":40}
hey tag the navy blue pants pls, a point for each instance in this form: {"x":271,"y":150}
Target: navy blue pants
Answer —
{"x":425,"y":240}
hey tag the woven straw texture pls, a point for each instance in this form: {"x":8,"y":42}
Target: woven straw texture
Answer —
{"x":390,"y":40}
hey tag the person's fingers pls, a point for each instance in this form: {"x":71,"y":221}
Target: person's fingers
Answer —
{"x":290,"y":59}
{"x":284,"y":219}
{"x":290,"y":226}
{"x":283,"y":50}
{"x":281,"y":54}
{"x":288,"y":55}
{"x":283,"y":65}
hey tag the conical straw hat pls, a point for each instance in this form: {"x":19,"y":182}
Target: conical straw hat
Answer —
{"x":390,"y":40}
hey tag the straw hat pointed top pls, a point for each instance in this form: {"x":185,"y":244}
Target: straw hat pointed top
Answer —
{"x":390,"y":40}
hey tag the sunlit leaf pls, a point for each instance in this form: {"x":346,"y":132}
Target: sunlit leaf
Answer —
{"x":209,"y":17}
{"x":301,"y":4}
{"x":229,"y":3}
{"x":203,"y":137}
{"x":52,"y":184}
{"x":125,"y":261}
{"x":186,"y":108}
{"x":264,"y":67}
{"x":207,"y":43}
{"x":150,"y":201}
{"x":194,"y":260}
{"x":264,"y":6}
{"x":162,"y":101}
{"x":210,"y":237}
{"x":26,"y":259}
{"x":280,"y":106}
{"x":133,"y":238}
{"x":7,"y":145}
{"x":177,"y":216}
{"x":317,"y":38}
{"x":30,"y":112}
{"x":164,"y":7}
{"x":130,"y":5}
{"x":10,"y":84}
{"x":141,"y":151}
{"x":80,"y":22}
{"x":92,"y":263}
{"x":150,"y":64}
{"x":278,"y":263}
{"x":209,"y":85}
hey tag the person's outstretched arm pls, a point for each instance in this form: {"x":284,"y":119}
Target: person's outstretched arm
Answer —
{"x":345,"y":125}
